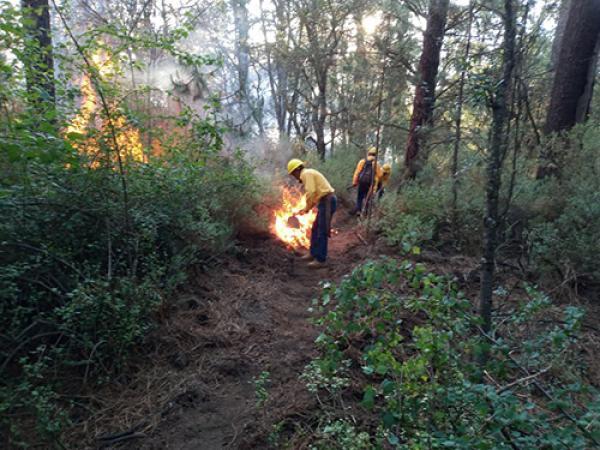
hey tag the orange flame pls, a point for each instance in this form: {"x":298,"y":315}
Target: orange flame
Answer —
{"x":127,"y":137}
{"x":292,"y":200}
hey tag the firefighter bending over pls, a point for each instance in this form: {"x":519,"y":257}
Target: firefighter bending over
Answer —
{"x":318,"y":192}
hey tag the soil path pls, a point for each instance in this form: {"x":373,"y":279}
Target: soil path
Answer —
{"x":249,"y":318}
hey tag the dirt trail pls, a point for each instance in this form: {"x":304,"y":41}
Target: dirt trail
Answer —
{"x":250,"y":317}
{"x":194,"y":384}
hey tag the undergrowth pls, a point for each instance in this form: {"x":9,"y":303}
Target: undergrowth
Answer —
{"x":81,"y":284}
{"x":86,"y":274}
{"x":397,"y":369}
{"x":550,"y":226}
{"x":101,"y":214}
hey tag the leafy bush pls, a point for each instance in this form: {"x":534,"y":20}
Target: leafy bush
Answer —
{"x":405,"y":340}
{"x":564,"y":238}
{"x":406,"y":230}
{"x":92,"y":241}
{"x":554,"y":223}
{"x":84,"y":272}
{"x":409,"y":218}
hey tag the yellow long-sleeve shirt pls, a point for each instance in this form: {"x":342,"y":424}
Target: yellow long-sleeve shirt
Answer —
{"x":385,"y":179}
{"x":316,"y":187}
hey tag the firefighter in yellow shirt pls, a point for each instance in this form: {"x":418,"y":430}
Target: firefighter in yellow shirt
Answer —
{"x":366,"y":177}
{"x":318,"y":192}
{"x":386,"y":173}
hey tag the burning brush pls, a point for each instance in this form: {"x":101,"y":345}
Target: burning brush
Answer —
{"x":289,"y":228}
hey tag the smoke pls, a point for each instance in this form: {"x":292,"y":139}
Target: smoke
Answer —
{"x":161,"y":75}
{"x":177,"y":86}
{"x":269,"y":155}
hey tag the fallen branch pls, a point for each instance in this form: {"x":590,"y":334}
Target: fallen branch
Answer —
{"x":22,"y":344}
{"x":121,"y":438}
{"x":362,"y":239}
{"x":523,"y":380}
{"x":132,"y":433}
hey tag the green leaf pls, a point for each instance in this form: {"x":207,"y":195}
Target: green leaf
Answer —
{"x":368,"y":400}
{"x":368,"y":370}
{"x":75,"y":136}
{"x":388,"y":386}
{"x":393,"y":439}
{"x":381,"y":369}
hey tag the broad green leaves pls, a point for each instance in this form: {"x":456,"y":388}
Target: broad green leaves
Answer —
{"x":410,"y":351}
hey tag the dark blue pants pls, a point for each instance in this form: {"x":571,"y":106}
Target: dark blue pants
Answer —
{"x":320,"y":228}
{"x":363,"y":192}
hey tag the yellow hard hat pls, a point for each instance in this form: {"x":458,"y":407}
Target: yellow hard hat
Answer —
{"x":386,"y":168}
{"x":293,"y":164}
{"x":372,"y":151}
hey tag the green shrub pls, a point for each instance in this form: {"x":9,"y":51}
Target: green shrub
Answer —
{"x":564,"y":233}
{"x":83,"y":272}
{"x":552,"y":223}
{"x":567,"y":246}
{"x":405,"y":230}
{"x":89,"y":256}
{"x":406,"y":341}
{"x":409,"y":218}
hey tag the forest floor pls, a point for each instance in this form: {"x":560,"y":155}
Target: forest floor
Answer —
{"x":195,"y":388}
{"x":249,"y":317}
{"x":193,"y":385}
{"x":246,"y":316}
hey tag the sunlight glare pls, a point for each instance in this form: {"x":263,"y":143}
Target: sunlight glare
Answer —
{"x":371,"y":22}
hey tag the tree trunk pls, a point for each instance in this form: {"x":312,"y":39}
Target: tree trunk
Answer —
{"x":277,"y":72}
{"x":39,"y":63}
{"x":458,"y":120}
{"x":320,"y":108}
{"x":319,"y":116}
{"x":575,"y":66}
{"x":242,"y":53}
{"x":583,"y":106}
{"x":498,"y":145}
{"x":422,"y":115}
{"x":559,"y":33}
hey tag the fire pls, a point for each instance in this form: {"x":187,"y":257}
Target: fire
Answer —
{"x":292,"y":200}
{"x":127,"y":137}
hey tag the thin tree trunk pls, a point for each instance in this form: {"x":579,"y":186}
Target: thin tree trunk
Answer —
{"x":422,"y":115}
{"x":458,"y":120}
{"x":320,"y":114}
{"x":242,"y":50}
{"x":39,"y":66}
{"x":275,"y":70}
{"x":499,"y":142}
{"x":517,"y":105}
{"x":333,"y":131}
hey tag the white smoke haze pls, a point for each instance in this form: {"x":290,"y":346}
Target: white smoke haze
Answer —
{"x":269,"y":155}
{"x":175,"y":85}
